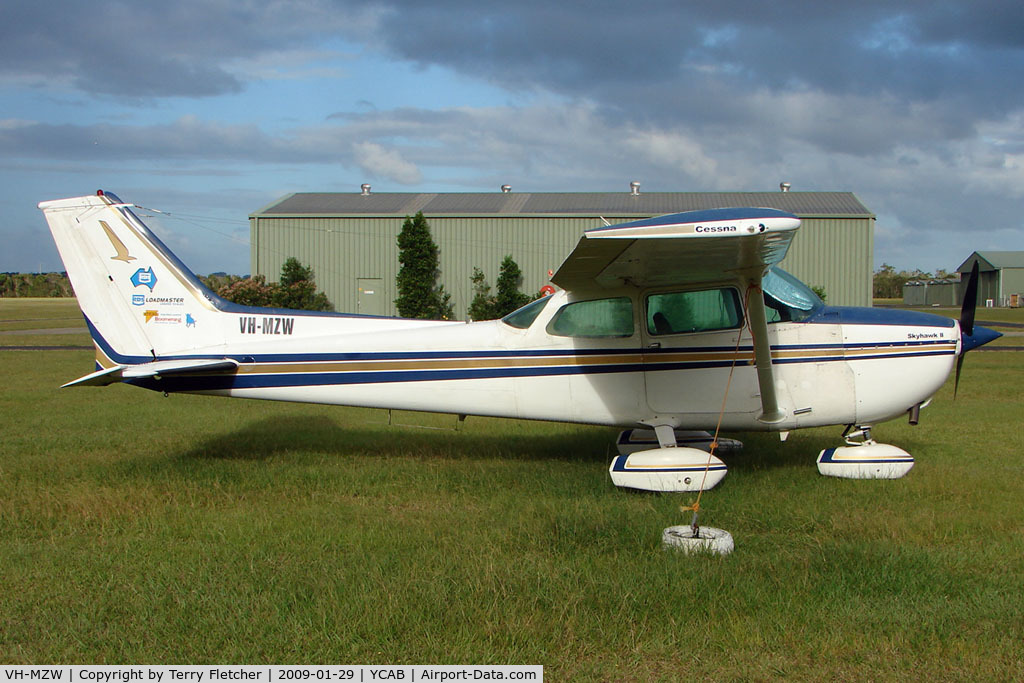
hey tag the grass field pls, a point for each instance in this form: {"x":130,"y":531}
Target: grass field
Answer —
{"x":23,"y":319}
{"x":142,"y":529}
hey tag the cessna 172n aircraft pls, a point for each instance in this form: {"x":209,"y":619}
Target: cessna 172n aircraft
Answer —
{"x":669,"y":324}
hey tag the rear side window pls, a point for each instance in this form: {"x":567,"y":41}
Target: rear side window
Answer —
{"x":596,"y":318}
{"x":695,"y":311}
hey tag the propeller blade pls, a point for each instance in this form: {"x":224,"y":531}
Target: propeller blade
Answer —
{"x":968,"y":339}
{"x":956,"y":379}
{"x":970,"y":303}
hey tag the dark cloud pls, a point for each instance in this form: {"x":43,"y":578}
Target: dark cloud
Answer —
{"x":131,"y":49}
{"x":186,"y":138}
{"x":660,"y":61}
{"x":664,"y":61}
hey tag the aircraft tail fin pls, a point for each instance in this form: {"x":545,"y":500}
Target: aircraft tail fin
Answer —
{"x":139,"y":301}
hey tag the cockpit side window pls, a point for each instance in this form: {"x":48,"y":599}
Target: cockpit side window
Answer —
{"x":694,"y":311}
{"x":595,"y":318}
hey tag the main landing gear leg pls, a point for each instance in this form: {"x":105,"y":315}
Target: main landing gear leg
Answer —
{"x":666,"y":436}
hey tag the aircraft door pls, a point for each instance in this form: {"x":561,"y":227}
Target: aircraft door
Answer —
{"x":689,"y":343}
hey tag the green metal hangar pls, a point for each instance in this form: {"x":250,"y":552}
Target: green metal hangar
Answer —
{"x":349,"y":239}
{"x":1000,"y":282}
{"x":1000,"y":277}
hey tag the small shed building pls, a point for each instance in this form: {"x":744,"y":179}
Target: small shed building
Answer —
{"x":1000,"y":277}
{"x":932,"y":293}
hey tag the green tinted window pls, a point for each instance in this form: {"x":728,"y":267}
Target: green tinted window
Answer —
{"x":700,"y":311}
{"x":597,"y":318}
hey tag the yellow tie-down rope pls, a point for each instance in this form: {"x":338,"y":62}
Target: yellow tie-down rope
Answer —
{"x":695,"y":506}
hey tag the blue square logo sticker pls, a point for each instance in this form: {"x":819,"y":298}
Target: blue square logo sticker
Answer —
{"x":138,"y":299}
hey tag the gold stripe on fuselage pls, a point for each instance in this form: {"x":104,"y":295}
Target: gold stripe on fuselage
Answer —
{"x":632,"y":358}
{"x":439,"y":364}
{"x":636,"y":358}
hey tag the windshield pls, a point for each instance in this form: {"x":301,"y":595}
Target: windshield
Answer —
{"x":787,"y":298}
{"x":524,"y":317}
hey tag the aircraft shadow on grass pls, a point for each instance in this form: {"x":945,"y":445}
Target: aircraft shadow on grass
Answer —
{"x":267,"y":438}
{"x":264,"y":439}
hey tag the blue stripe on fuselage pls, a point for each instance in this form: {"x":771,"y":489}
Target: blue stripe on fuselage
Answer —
{"x":342,"y":377}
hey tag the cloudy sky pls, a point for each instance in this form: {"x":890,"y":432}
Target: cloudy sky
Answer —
{"x":211,"y":109}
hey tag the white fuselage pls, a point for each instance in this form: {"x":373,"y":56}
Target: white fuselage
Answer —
{"x":678,"y":321}
{"x":826,"y":370}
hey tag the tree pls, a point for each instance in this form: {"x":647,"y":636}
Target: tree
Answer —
{"x":419,"y":295}
{"x":888,"y":284}
{"x":482,"y":306}
{"x":216,"y":281}
{"x":35,"y":285}
{"x":249,"y":291}
{"x":296,"y":290}
{"x":293,"y":272}
{"x":509,"y":297}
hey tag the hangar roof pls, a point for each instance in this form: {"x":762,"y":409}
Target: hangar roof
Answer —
{"x":996,"y":260}
{"x":806,"y":204}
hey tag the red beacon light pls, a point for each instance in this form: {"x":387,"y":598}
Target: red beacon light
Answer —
{"x":99,"y":193}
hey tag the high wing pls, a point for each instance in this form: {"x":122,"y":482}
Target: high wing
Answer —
{"x":679,"y":249}
{"x":687,"y":249}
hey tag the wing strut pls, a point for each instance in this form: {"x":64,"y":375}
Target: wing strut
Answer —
{"x":758,"y":321}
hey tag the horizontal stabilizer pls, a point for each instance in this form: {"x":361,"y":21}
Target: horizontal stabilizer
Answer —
{"x":154,"y":369}
{"x":173,"y":367}
{"x":100,"y":378}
